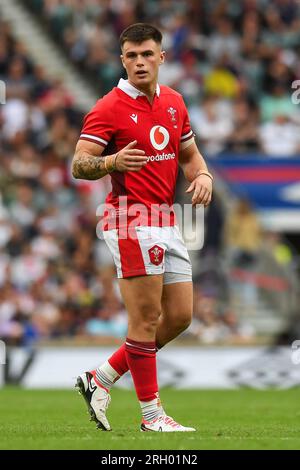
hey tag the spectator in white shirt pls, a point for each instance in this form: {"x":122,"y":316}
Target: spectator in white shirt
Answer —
{"x":211,"y":127}
{"x":280,"y":137}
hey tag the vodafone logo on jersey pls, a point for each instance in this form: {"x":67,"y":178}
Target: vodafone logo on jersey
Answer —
{"x":159,"y":137}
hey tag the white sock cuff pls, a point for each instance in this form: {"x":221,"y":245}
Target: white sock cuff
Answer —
{"x":149,"y":403}
{"x":109,"y":371}
{"x":151,"y":409}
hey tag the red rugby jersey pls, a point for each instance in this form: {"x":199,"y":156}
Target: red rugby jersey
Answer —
{"x":125,"y":115}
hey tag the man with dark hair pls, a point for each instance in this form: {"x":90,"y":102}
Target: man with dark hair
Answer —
{"x":148,"y":127}
{"x":140,"y":32}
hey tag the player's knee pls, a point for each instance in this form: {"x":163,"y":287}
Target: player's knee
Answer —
{"x":184,"y":320}
{"x":146,"y":317}
{"x":149,"y":326}
{"x":148,"y":312}
{"x":150,"y":319}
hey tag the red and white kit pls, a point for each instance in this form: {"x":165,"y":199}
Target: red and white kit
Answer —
{"x":143,"y":199}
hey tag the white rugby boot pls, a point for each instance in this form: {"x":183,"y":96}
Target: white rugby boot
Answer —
{"x":164,"y":423}
{"x":97,"y":399}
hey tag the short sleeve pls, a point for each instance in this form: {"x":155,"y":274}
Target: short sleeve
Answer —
{"x":187,"y":132}
{"x":98,"y":124}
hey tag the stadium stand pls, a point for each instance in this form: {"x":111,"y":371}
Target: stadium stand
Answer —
{"x":240,"y":62}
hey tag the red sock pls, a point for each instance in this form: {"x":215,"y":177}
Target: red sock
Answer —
{"x":141,"y":358}
{"x":118,"y":360}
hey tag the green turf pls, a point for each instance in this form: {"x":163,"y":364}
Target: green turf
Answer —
{"x":242,"y":419}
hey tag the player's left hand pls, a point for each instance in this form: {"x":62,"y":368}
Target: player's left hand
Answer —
{"x":202,"y":187}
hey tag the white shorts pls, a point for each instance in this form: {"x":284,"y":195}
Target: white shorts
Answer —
{"x":152,"y":250}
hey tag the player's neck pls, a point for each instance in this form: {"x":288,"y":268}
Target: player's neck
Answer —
{"x":149,"y":90}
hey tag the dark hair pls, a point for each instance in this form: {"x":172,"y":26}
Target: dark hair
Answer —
{"x":140,"y":32}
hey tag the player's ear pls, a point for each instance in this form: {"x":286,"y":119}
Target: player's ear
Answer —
{"x":122,"y":60}
{"x":162,"y":57}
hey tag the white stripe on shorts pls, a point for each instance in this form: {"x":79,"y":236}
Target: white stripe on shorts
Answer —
{"x":112,"y":240}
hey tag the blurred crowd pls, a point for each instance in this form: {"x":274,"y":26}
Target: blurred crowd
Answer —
{"x":55,"y":280}
{"x":234,"y":62}
{"x":56,"y":277}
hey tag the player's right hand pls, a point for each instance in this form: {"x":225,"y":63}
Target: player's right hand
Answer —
{"x":130,"y":158}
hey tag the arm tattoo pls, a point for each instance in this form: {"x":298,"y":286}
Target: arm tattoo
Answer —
{"x":88,"y":167}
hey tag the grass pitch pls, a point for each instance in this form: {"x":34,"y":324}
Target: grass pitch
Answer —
{"x":241,"y":419}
